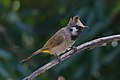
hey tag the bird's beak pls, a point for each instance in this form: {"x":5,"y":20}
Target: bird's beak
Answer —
{"x":85,"y":27}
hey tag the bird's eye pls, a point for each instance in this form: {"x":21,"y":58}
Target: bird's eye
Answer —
{"x":71,"y":29}
{"x":78,"y":27}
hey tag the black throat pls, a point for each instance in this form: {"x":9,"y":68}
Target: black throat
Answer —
{"x":79,"y":30}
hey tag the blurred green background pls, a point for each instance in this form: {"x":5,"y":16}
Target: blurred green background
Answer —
{"x":25,"y":25}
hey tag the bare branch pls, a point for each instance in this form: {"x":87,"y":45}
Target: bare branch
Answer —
{"x":88,"y":45}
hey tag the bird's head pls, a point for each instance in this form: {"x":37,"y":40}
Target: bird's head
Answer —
{"x":75,"y":27}
{"x":75,"y":21}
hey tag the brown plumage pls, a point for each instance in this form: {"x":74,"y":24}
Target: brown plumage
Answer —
{"x":63,"y":39}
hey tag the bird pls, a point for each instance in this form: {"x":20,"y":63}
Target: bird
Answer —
{"x":62,"y":40}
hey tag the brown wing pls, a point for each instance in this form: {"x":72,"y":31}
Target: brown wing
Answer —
{"x":55,"y":40}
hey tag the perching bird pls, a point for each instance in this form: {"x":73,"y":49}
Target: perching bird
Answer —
{"x":63,"y":39}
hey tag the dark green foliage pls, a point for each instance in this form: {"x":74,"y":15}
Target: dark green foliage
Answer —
{"x":25,"y":25}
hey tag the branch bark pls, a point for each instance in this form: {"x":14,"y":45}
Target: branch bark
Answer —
{"x":88,"y":45}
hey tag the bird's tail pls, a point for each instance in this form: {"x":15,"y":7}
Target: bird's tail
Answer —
{"x":33,"y":54}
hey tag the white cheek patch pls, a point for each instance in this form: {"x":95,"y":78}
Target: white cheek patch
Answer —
{"x":74,"y":31}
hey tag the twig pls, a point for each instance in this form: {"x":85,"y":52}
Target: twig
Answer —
{"x":88,"y":45}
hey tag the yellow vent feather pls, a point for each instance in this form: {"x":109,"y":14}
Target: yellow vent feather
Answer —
{"x":45,"y":51}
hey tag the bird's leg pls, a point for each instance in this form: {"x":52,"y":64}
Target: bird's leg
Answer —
{"x":74,"y":48}
{"x":58,"y":58}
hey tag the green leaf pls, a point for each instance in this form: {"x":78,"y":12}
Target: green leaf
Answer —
{"x":6,"y":3}
{"x":116,"y":8}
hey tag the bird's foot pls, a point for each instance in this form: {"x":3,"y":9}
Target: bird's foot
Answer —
{"x":74,"y":48}
{"x":58,"y":58}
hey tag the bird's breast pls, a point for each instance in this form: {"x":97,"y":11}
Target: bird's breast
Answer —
{"x":64,"y":45}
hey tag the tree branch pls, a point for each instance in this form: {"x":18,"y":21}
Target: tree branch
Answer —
{"x":88,"y":45}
